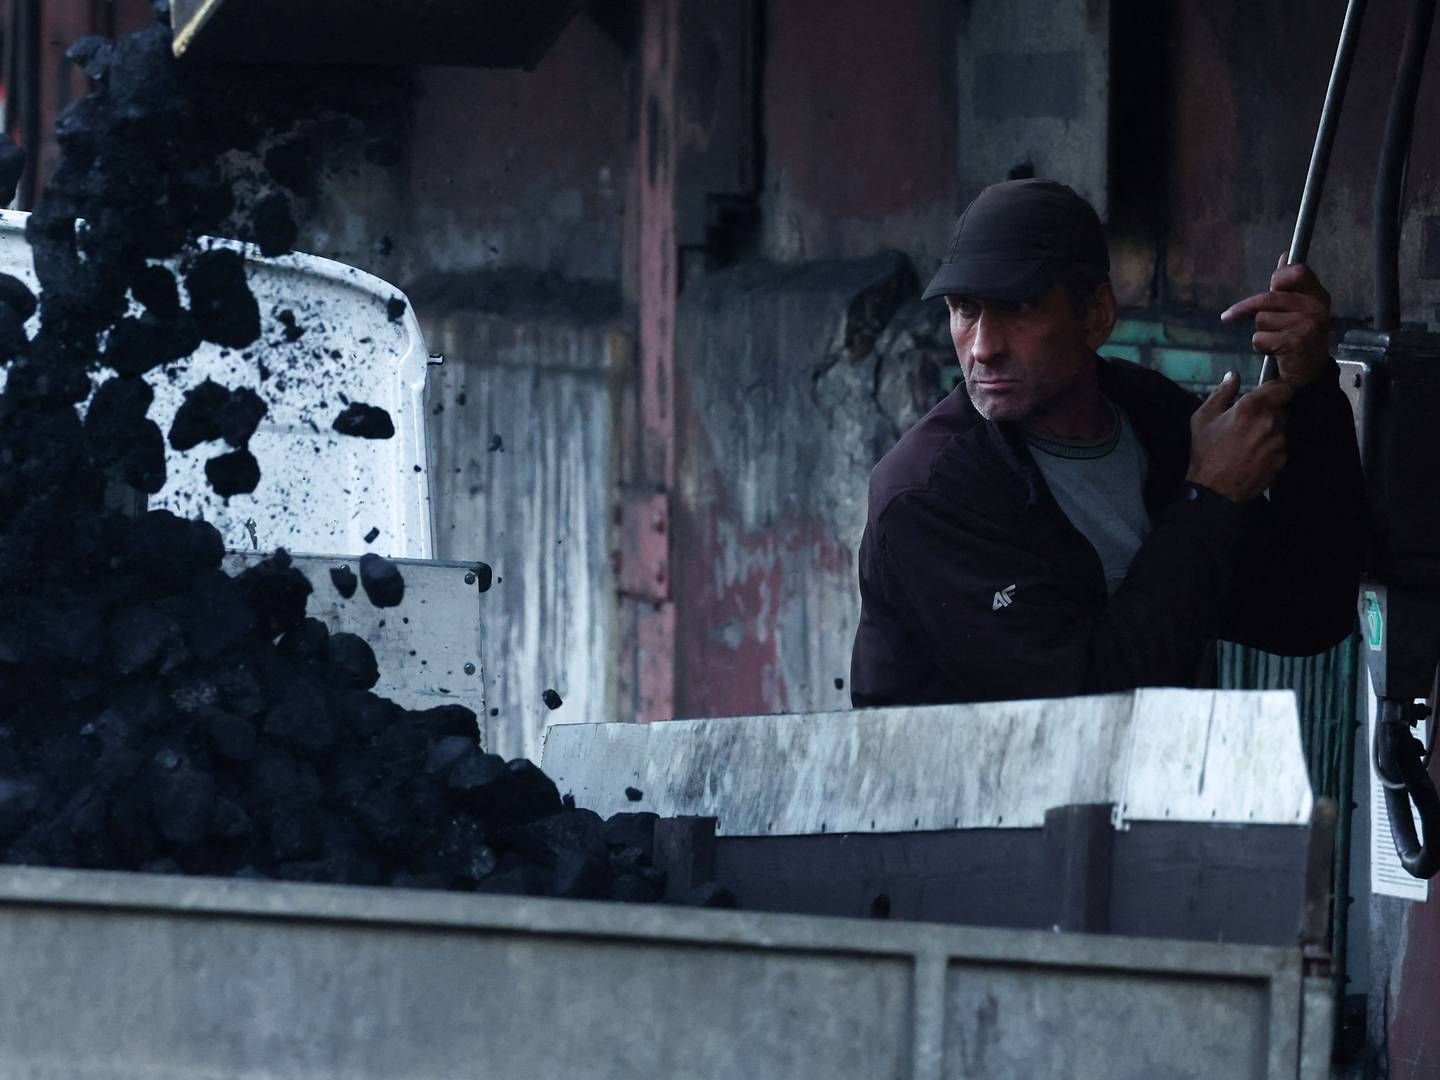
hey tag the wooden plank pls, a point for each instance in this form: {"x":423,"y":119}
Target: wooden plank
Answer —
{"x":1205,"y":882}
{"x":1186,"y":880}
{"x":1079,"y":846}
{"x":685,"y":850}
{"x":978,"y":877}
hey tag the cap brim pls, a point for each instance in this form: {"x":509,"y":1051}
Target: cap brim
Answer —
{"x":1007,"y":280}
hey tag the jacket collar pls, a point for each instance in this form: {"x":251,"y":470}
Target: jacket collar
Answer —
{"x":1162,"y":429}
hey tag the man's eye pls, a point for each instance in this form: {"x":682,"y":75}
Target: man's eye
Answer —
{"x":967,"y":311}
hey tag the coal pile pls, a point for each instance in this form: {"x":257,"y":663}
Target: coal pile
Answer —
{"x":157,"y":713}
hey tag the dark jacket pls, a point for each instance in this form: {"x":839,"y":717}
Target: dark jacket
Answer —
{"x":974,"y":586}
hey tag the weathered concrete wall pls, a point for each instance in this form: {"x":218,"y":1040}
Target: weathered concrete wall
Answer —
{"x":536,"y":507}
{"x":779,"y":418}
{"x":494,"y":169}
{"x":859,"y":129}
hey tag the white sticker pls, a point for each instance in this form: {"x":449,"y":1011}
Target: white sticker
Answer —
{"x":1387,"y":876}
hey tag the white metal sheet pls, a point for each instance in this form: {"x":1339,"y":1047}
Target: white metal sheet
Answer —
{"x":427,"y":647}
{"x":1204,"y":755}
{"x":318,"y":491}
{"x":1170,"y":755}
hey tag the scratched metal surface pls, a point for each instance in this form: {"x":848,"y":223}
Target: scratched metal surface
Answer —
{"x":1160,"y":755}
{"x":423,"y":645}
{"x":536,"y":508}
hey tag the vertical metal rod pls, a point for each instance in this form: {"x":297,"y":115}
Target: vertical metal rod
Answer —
{"x":1353,"y":738}
{"x":29,"y":60}
{"x":1324,"y":143}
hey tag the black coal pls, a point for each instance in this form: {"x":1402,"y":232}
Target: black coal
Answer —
{"x":381,"y":580}
{"x":157,"y":713}
{"x":364,"y":422}
{"x":344,"y":581}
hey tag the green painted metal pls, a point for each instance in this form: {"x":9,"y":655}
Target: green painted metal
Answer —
{"x":1195,"y":356}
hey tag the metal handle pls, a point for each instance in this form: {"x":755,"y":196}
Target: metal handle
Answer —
{"x":1400,"y":766}
{"x":1324,"y":142}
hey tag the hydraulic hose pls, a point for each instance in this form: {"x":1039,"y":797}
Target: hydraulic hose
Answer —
{"x":1394,"y":153}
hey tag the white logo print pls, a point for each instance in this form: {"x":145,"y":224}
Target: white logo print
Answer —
{"x":1004,"y":598}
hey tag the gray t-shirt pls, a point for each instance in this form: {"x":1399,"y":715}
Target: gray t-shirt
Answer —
{"x":1101,"y":487}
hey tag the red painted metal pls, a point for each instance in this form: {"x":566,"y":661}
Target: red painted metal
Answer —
{"x":1412,"y":1050}
{"x":641,"y":558}
{"x":658,"y":293}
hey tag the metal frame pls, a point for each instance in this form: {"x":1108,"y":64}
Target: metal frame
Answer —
{"x":125,"y":953}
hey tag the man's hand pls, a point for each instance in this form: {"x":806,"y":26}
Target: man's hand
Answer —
{"x":1292,"y":323}
{"x":1236,"y":449}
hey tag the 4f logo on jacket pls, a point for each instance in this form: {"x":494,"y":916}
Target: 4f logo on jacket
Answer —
{"x":1004,"y":598}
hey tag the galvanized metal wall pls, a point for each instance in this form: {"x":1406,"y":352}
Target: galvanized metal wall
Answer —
{"x":536,"y":509}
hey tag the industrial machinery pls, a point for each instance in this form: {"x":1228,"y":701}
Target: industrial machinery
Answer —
{"x":1394,"y":381}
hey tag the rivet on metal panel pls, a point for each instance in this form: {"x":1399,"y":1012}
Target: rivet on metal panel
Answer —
{"x":469,"y":579}
{"x":469,"y":669}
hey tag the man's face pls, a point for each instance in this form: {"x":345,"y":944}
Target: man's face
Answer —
{"x":1021,"y":361}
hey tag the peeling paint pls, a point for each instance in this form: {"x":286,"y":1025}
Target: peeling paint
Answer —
{"x":779,"y":424}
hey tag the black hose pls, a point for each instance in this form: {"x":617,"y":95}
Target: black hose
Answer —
{"x":1421,"y":860}
{"x":1394,"y":151}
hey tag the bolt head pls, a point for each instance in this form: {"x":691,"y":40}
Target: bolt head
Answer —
{"x":469,"y":669}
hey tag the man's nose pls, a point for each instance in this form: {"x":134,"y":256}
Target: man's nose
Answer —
{"x":987,"y":343}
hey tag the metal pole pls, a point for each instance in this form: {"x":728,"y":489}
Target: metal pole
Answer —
{"x":1324,"y":142}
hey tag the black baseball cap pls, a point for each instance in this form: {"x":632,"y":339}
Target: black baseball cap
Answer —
{"x":1018,"y":238}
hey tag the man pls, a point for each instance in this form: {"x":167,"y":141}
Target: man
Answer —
{"x":1067,"y":523}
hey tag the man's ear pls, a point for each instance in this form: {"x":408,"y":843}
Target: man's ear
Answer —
{"x":1100,"y":316}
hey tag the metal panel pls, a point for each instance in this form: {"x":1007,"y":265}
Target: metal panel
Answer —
{"x":952,"y":766}
{"x":124,"y":975}
{"x":1216,"y":756}
{"x":428,"y":647}
{"x":537,"y":508}
{"x":487,"y":33}
{"x":1212,"y":1031}
{"x":1034,"y":88}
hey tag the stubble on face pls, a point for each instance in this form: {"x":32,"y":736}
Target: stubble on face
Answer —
{"x":1022,"y":363}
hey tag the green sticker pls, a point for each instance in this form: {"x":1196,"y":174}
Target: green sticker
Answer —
{"x":1374,"y":621}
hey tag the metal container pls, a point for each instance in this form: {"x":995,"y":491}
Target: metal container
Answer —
{"x":111,"y":976}
{"x":318,"y":491}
